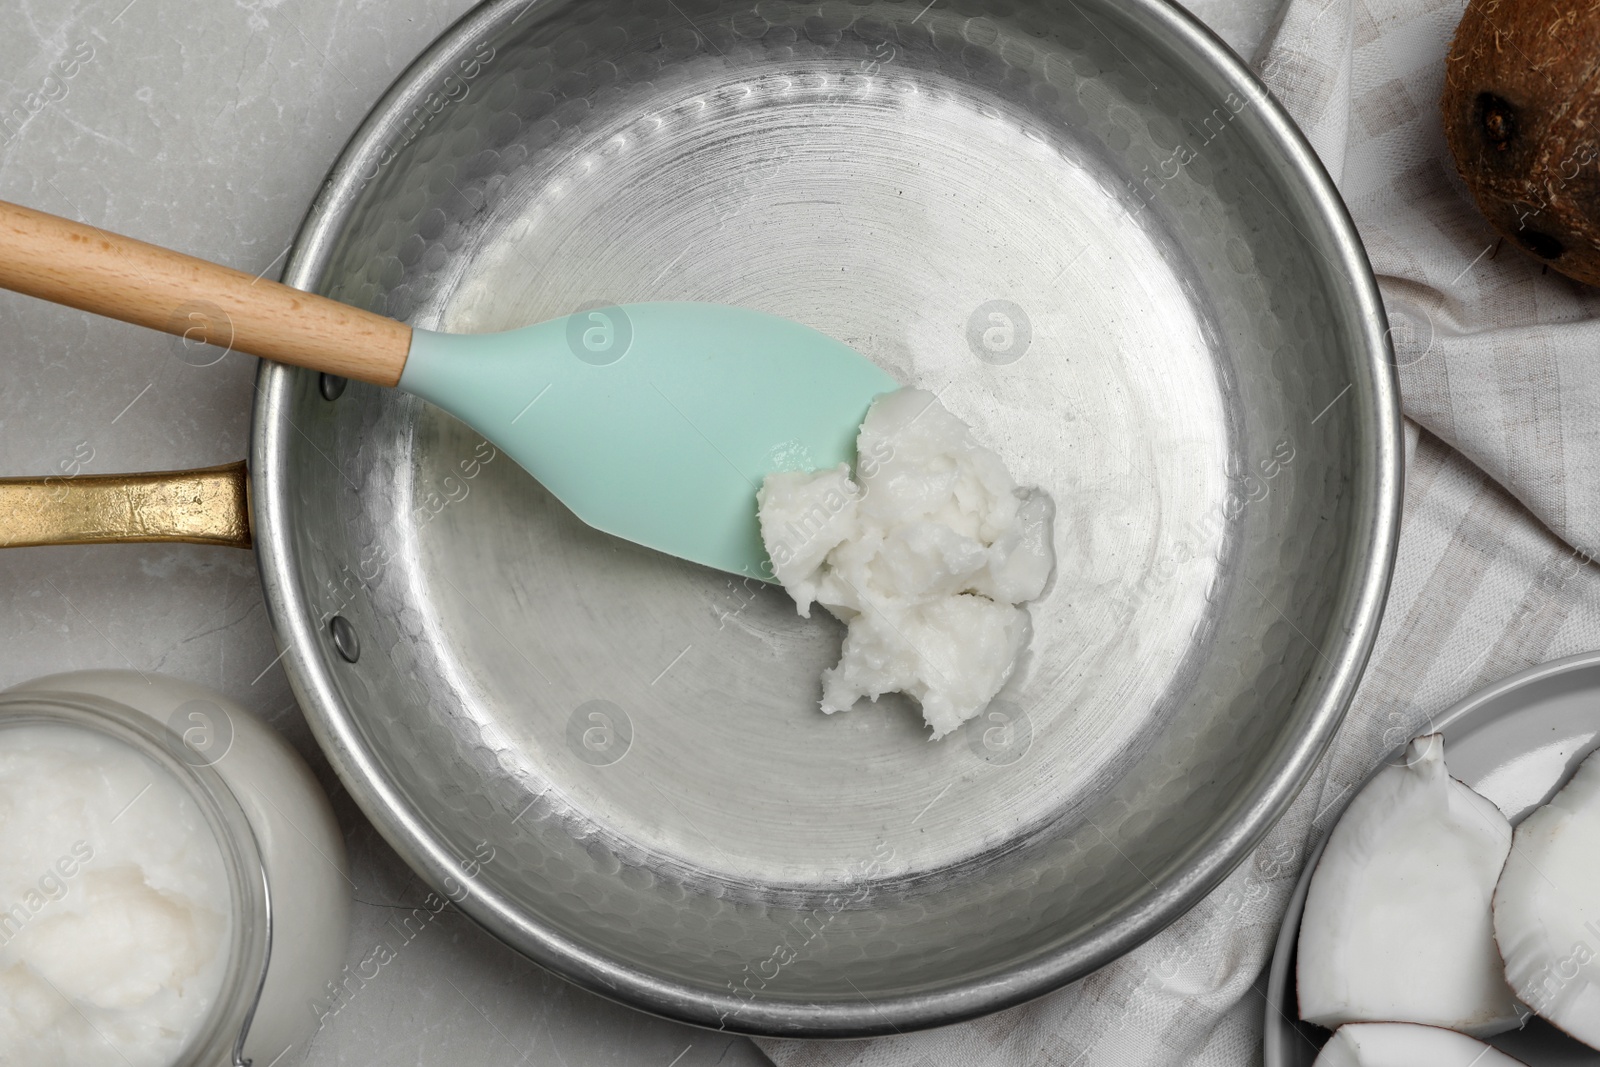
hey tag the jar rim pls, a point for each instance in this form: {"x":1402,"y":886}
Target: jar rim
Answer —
{"x":223,"y":1030}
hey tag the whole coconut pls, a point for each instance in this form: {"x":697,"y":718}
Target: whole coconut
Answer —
{"x":1521,"y":99}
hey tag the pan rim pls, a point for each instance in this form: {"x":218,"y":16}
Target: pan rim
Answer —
{"x":1193,"y":877}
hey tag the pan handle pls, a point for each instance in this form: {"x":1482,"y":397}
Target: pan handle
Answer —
{"x":204,"y":507}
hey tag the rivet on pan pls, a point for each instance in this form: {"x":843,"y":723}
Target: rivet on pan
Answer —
{"x":331,"y":386}
{"x":344,"y":638}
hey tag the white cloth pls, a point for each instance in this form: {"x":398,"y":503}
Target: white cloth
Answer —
{"x":1502,"y":448}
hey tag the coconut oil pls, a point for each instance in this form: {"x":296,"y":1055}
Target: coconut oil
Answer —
{"x":192,"y":893}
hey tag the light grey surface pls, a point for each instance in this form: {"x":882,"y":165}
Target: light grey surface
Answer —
{"x":209,"y":128}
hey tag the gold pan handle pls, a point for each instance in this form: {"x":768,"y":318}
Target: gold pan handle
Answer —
{"x":203,"y":507}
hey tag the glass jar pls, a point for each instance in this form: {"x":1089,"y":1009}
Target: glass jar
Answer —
{"x":282,"y":850}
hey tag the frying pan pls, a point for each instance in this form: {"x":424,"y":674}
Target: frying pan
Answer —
{"x":1086,"y":227}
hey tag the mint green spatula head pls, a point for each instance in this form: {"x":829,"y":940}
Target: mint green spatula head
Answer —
{"x":657,"y":422}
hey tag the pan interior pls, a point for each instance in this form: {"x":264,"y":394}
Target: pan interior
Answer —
{"x":966,"y":198}
{"x":887,"y":217}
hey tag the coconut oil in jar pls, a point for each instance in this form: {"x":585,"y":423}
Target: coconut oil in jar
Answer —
{"x":191,"y":896}
{"x":129,"y":890}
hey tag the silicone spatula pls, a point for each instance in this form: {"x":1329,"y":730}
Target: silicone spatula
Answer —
{"x":655,"y":422}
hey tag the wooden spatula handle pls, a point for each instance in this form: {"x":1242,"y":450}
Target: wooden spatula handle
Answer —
{"x":84,"y":267}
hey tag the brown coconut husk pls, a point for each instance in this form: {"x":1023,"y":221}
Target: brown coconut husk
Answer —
{"x":1521,"y":102}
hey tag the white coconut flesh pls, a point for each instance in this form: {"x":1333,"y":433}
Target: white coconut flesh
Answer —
{"x":1408,"y":1045}
{"x":1397,"y":920}
{"x":1547,"y":908}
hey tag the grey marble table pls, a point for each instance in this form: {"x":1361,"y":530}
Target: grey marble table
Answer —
{"x":207,"y":127}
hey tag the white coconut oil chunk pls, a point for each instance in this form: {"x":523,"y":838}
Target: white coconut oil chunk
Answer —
{"x":1397,"y":919}
{"x":114,"y":904}
{"x":927,"y":554}
{"x":1547,"y":908}
{"x":1408,"y":1045}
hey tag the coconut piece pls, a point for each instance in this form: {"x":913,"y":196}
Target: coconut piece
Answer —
{"x":1397,"y":919}
{"x":1521,"y":113}
{"x":927,"y":555}
{"x":1547,"y":908}
{"x":1408,"y":1045}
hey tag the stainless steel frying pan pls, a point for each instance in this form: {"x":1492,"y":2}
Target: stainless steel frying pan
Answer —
{"x":1087,"y":228}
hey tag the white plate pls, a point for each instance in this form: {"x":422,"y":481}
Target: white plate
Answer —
{"x":1516,"y":742}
